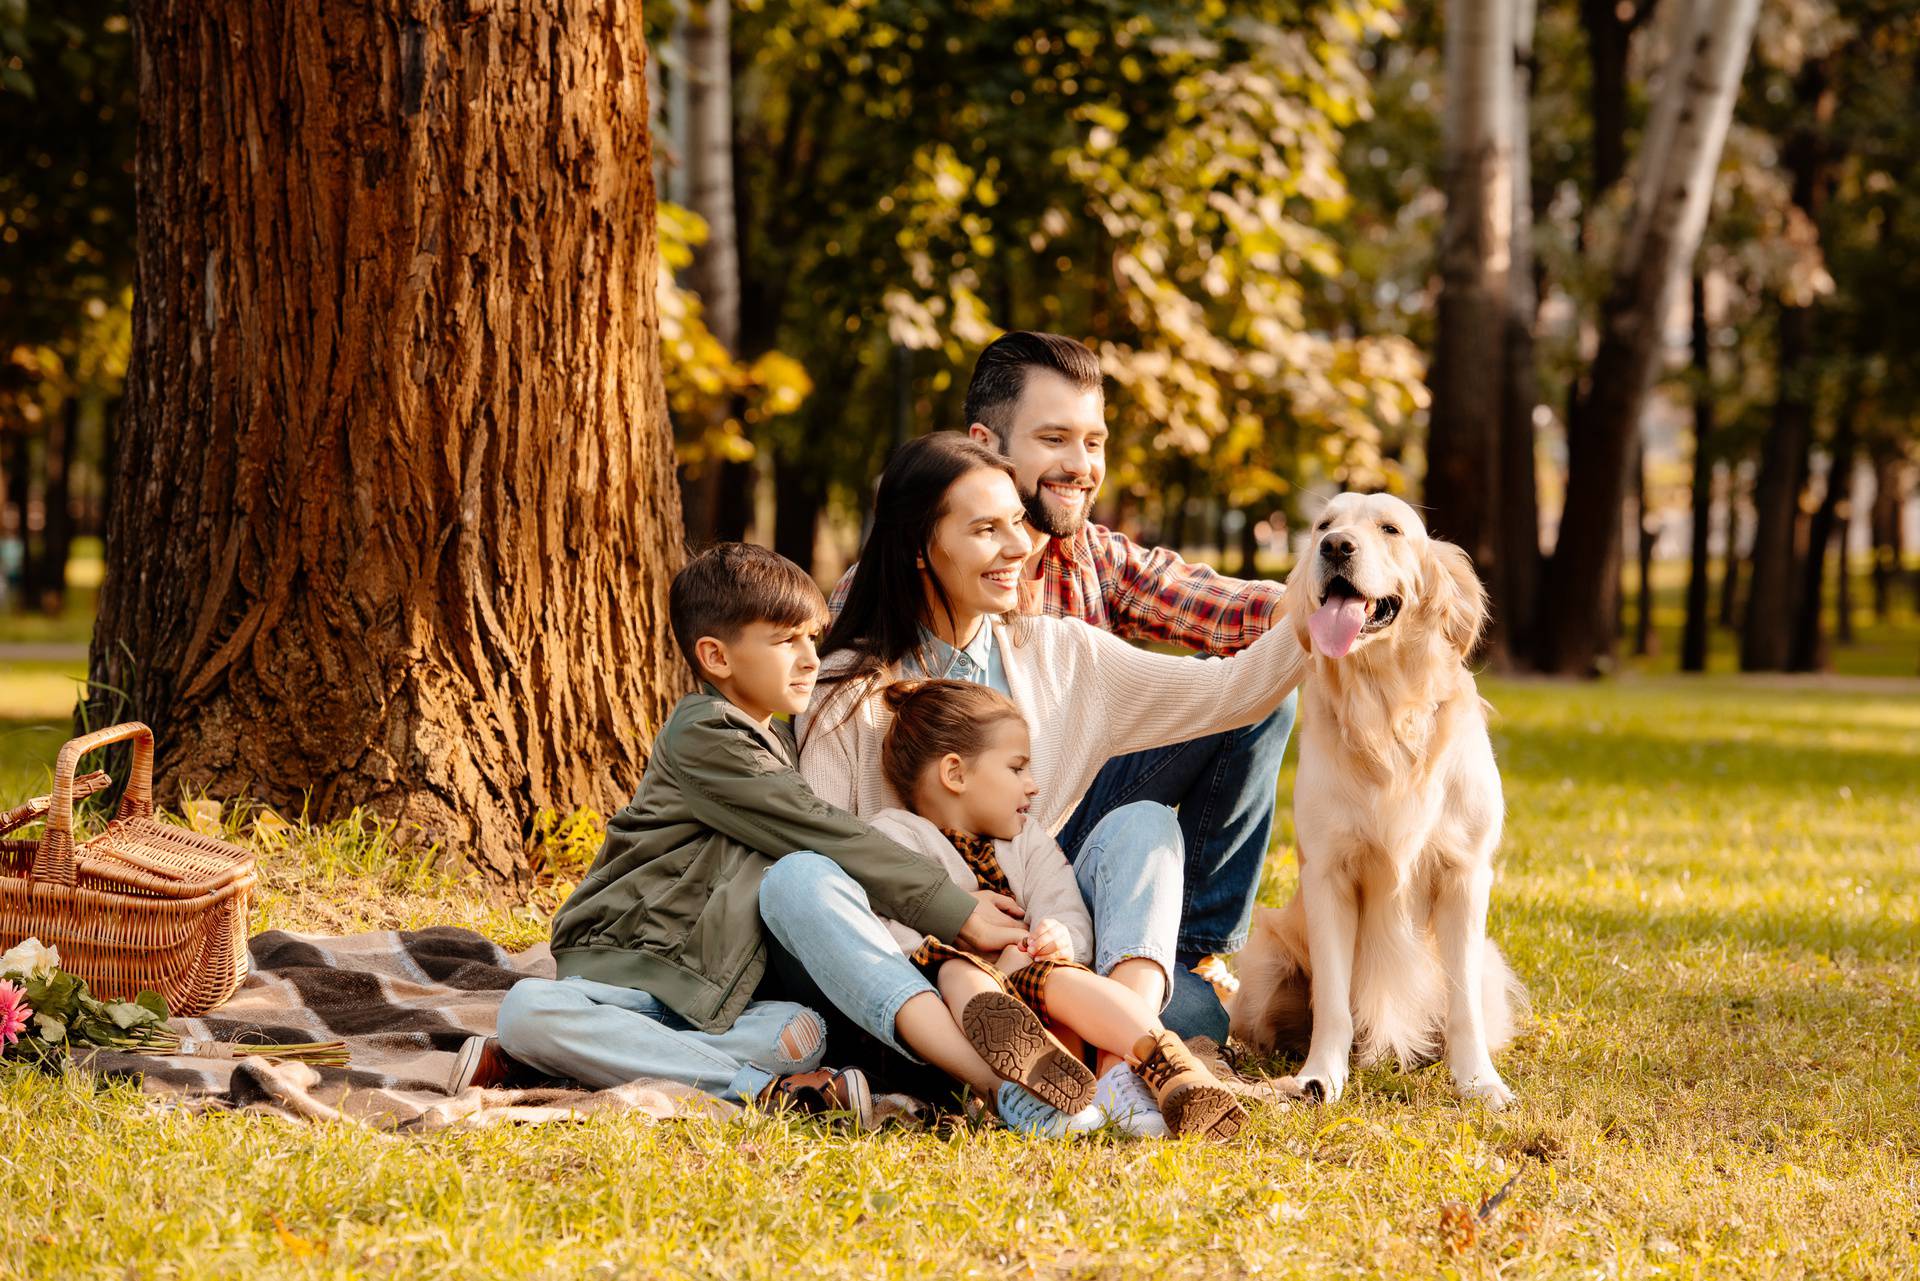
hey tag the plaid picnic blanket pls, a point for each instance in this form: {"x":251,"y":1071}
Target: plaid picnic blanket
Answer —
{"x":404,"y":1002}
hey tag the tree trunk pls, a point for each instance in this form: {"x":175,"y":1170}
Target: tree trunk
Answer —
{"x":1463,"y":483}
{"x":1883,"y":522}
{"x":1250,"y":543}
{"x":19,"y":496}
{"x":396,"y":513}
{"x":1644,"y":531}
{"x":798,"y":495}
{"x":1519,"y":502}
{"x":1808,"y":652}
{"x":1670,"y":209}
{"x":715,"y":271}
{"x":1693,"y":639}
{"x":1843,"y":567}
{"x":1731,"y":559}
{"x":1767,"y":639}
{"x":57,"y":541}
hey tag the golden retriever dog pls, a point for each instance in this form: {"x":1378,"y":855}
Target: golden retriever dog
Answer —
{"x":1397,"y":806}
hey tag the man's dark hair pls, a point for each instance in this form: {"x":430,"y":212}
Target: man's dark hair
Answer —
{"x":1000,"y":375}
{"x":731,"y":585}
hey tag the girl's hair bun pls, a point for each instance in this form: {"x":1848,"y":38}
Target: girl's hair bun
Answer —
{"x":900,"y":693}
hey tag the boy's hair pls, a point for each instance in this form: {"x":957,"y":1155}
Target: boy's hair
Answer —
{"x":1000,"y":375}
{"x":933,"y":718}
{"x":731,"y":585}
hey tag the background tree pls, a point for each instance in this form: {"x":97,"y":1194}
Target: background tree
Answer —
{"x":396,"y":507}
{"x":1679,"y":159}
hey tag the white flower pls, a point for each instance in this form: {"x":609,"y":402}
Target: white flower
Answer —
{"x":30,"y":960}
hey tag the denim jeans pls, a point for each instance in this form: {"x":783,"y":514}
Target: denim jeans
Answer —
{"x":1130,"y":877}
{"x":1225,"y":787}
{"x":605,"y":1035}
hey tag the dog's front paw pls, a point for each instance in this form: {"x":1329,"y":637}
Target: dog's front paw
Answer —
{"x":1319,"y":1083}
{"x":1483,"y":1084}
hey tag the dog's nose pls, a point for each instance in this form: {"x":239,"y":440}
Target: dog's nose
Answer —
{"x":1337,"y":547}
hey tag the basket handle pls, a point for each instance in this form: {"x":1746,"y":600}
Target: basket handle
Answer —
{"x":36,"y":807}
{"x":55,"y":862}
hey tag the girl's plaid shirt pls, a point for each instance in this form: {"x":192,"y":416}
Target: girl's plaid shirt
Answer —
{"x":1139,"y":593}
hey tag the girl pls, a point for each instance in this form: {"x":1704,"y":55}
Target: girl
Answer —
{"x":958,"y":753}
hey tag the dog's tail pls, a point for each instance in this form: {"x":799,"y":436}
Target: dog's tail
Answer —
{"x":1272,"y":1013}
{"x":1503,"y":999}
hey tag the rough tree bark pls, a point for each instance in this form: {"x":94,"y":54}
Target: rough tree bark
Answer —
{"x":1463,"y":482}
{"x":1693,"y":637}
{"x":396,"y":513}
{"x":1675,"y":185}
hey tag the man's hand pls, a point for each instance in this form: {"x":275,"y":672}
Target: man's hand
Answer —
{"x":1049,"y":941}
{"x":997,"y":923}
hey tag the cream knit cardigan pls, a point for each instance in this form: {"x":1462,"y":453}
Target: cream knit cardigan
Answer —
{"x":1036,"y":870}
{"x":1087,"y":695}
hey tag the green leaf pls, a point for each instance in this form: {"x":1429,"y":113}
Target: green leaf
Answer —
{"x":49,"y":1027}
{"x":152,"y":1001}
{"x":126,"y":1014}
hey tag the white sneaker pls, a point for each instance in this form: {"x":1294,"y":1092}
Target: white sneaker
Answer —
{"x":1029,"y":1114}
{"x":1128,"y":1103}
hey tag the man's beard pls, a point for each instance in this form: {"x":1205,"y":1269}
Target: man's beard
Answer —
{"x":1047,"y":520}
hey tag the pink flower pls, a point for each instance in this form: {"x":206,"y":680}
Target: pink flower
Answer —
{"x":14,"y":1013}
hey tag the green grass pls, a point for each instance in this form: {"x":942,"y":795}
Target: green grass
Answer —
{"x":1709,"y":885}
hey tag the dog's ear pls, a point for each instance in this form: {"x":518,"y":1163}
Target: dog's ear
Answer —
{"x":1297,"y":604}
{"x":1455,"y":595}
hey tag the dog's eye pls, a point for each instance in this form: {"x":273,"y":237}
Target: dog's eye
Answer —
{"x":1390,"y":529}
{"x":1322,"y":526}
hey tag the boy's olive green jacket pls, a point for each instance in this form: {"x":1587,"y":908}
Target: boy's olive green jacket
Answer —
{"x":672,"y":904}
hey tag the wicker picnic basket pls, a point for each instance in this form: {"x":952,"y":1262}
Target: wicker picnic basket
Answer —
{"x":143,"y":905}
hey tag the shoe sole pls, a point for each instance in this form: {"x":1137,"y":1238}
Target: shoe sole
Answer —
{"x":466,"y":1064}
{"x":859,"y":1097}
{"x":1204,"y":1111}
{"x":1018,"y":1047}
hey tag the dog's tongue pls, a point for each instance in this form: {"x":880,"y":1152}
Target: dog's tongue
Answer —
{"x":1336,"y":623}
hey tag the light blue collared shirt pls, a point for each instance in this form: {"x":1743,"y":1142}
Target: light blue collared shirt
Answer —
{"x":978,"y":661}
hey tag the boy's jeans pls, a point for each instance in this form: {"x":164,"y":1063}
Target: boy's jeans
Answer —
{"x":1129,"y":873}
{"x":1225,"y":787}
{"x":605,"y":1035}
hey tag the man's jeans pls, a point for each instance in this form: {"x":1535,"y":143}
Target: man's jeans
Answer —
{"x":1225,"y":787}
{"x":605,"y":1035}
{"x":1129,"y":874}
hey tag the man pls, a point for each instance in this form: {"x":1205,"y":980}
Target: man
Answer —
{"x":1039,"y":400}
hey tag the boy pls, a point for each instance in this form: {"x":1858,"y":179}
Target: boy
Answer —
{"x":660,"y":953}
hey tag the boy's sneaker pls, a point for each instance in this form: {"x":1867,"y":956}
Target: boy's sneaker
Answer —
{"x":1018,"y":1047}
{"x":1127,"y":1103}
{"x":1019,"y":1109}
{"x":481,"y":1062}
{"x":824,"y":1090}
{"x":1191,"y":1099}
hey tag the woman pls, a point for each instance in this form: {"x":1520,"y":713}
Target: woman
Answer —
{"x":935,"y":595}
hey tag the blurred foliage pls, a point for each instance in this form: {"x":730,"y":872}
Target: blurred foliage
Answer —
{"x":1162,"y":180}
{"x":68,"y":113}
{"x":715,"y":400}
{"x":1235,"y":201}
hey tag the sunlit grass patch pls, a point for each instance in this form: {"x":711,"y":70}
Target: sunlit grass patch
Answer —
{"x":1710,"y":887}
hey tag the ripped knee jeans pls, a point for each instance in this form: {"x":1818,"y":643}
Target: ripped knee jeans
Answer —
{"x":604,"y":1035}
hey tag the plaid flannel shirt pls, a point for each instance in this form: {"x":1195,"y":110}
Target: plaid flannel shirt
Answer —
{"x":1140,"y":593}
